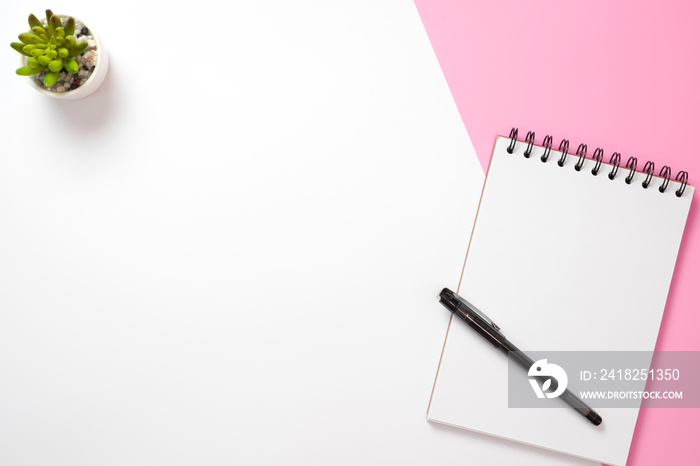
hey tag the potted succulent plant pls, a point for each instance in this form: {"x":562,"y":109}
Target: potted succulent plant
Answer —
{"x":61,"y":57}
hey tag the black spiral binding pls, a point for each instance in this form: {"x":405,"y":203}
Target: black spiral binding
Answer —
{"x":564,"y":149}
{"x":598,"y":157}
{"x":649,"y":170}
{"x":632,"y":165}
{"x":547,"y":143}
{"x":513,"y":138}
{"x":581,"y":152}
{"x":665,"y":173}
{"x":530,"y":139}
{"x":615,"y":160}
{"x":682,"y":178}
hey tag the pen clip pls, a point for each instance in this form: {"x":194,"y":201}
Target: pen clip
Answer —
{"x":487,"y":320}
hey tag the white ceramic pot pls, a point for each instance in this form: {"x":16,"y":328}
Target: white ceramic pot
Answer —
{"x":94,"y":81}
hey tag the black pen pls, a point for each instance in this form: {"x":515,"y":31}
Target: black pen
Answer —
{"x":488,"y":329}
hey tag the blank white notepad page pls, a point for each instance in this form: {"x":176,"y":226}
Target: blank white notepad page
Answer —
{"x":554,"y":253}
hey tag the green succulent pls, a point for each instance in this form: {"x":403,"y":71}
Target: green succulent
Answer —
{"x":49,"y":47}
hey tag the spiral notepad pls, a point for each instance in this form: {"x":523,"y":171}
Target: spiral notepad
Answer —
{"x":571,"y":253}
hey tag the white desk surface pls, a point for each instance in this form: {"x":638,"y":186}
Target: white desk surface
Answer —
{"x":230,"y":253}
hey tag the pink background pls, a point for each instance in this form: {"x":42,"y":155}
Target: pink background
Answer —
{"x":621,"y":75}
